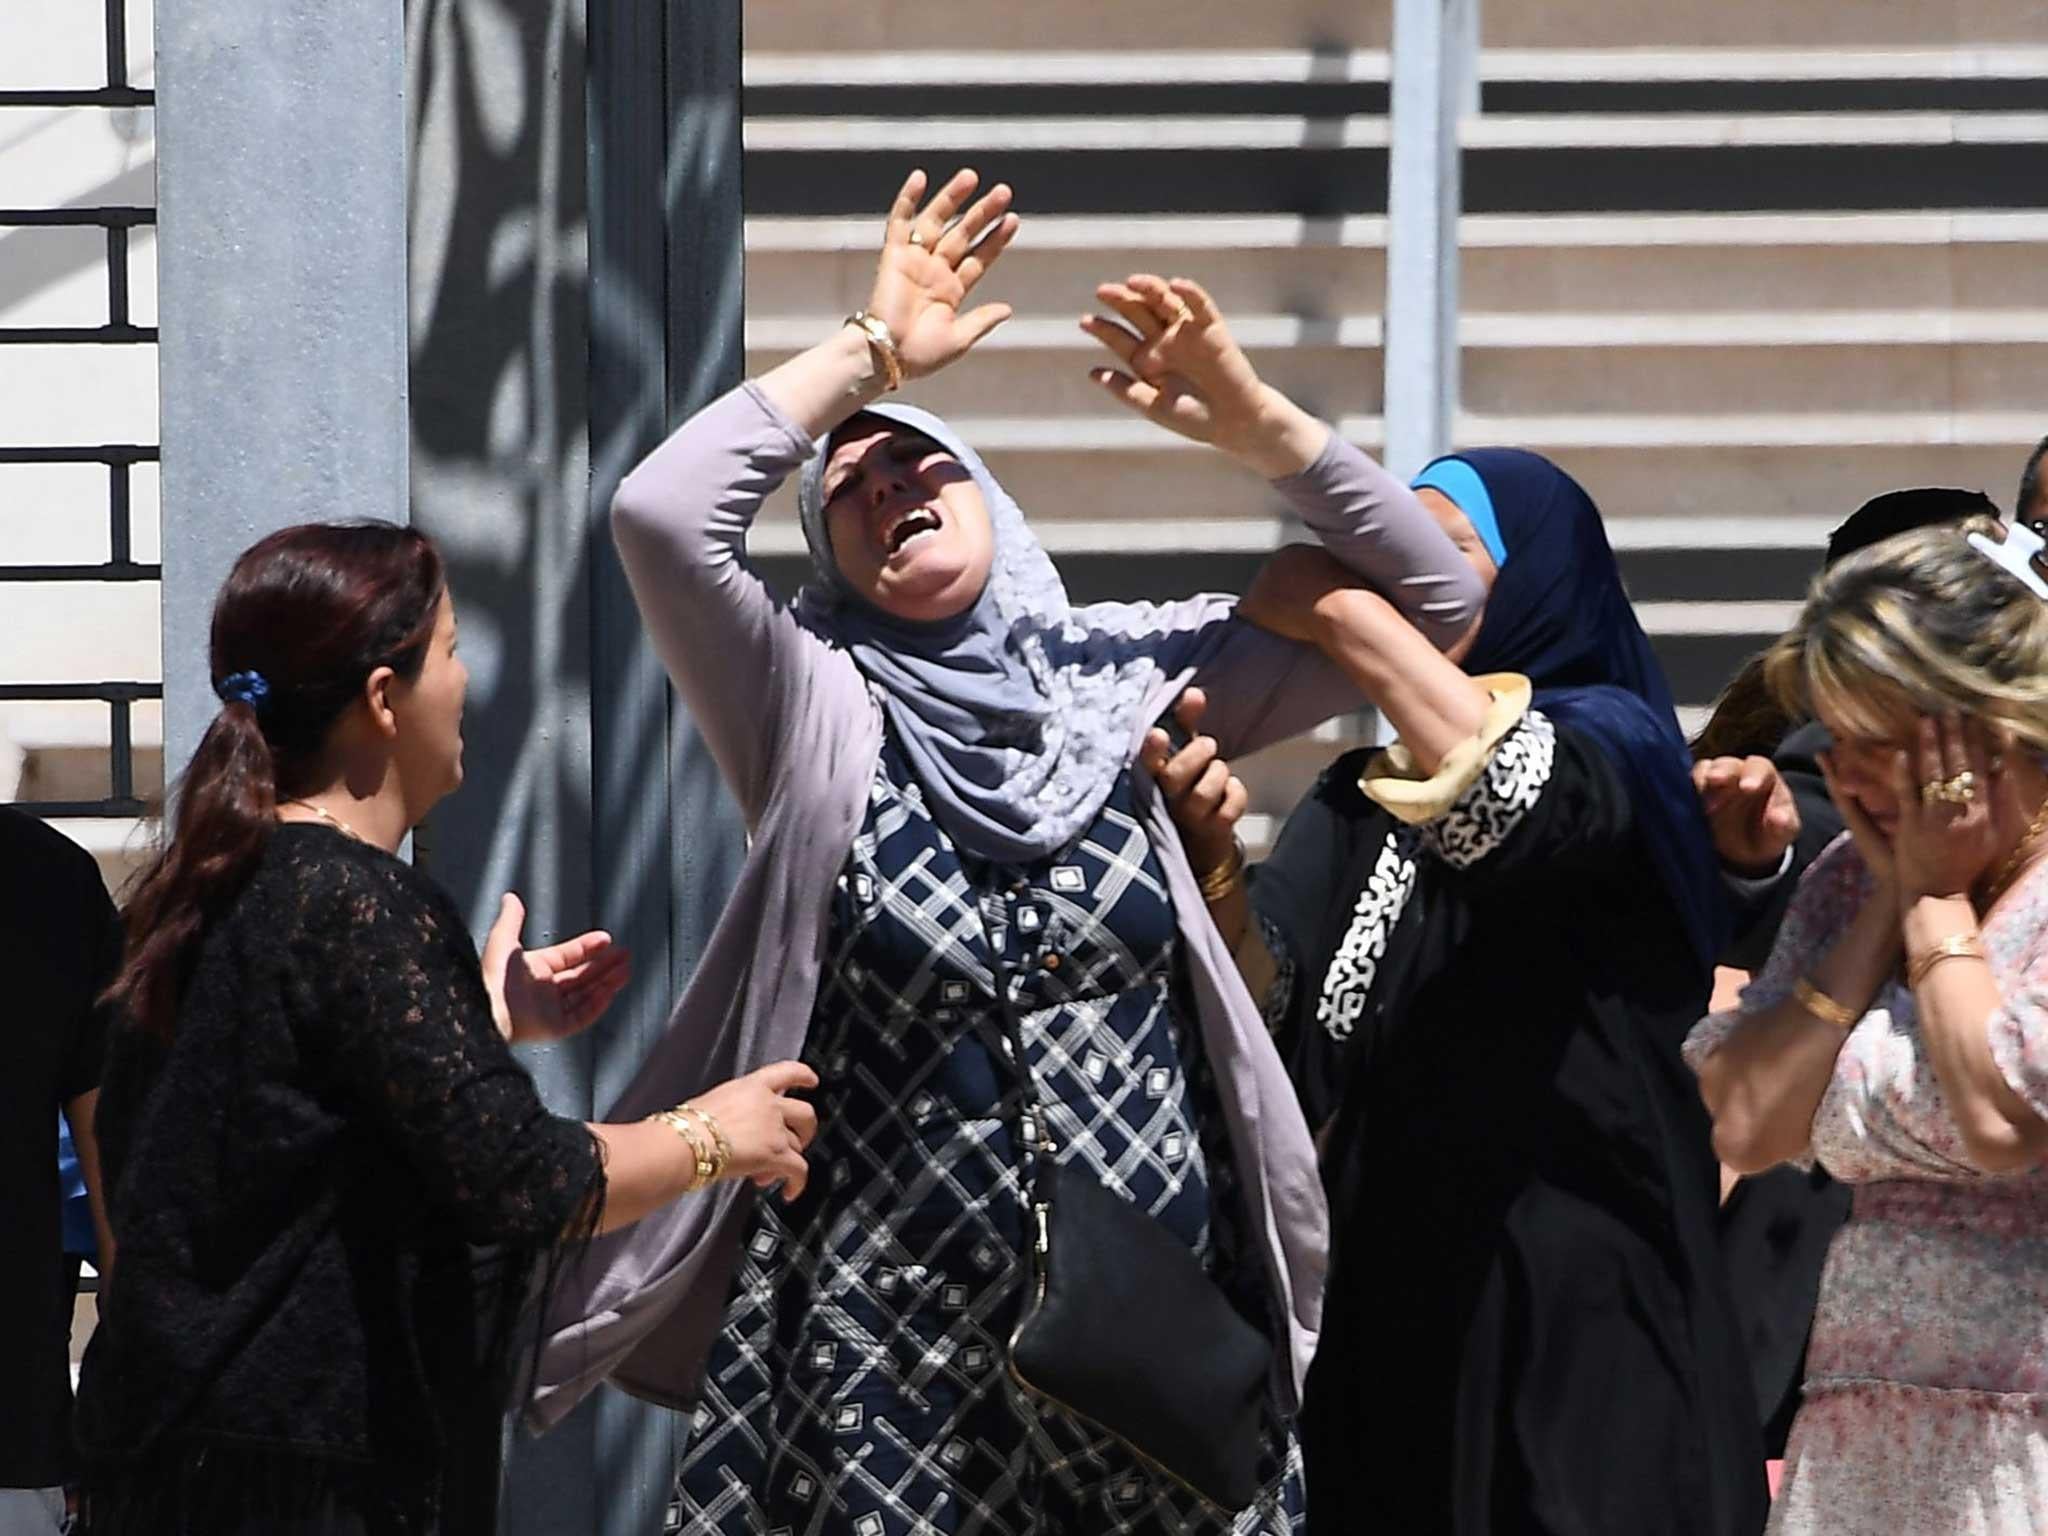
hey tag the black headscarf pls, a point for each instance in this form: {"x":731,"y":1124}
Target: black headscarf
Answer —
{"x":1558,"y":614}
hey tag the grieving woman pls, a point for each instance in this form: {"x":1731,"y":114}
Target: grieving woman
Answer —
{"x":333,"y":1186}
{"x":1897,"y":1036}
{"x":1485,"y":946}
{"x":978,"y":926}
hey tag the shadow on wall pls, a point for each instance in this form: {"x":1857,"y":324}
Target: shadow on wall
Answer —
{"x":503,"y":356}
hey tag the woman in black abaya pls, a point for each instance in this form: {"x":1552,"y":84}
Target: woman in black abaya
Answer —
{"x":1481,"y":953}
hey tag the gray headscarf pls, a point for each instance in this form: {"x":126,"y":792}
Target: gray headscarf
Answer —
{"x":1016,"y":714}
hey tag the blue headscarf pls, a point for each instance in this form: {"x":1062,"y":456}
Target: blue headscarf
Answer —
{"x":1559,"y":615}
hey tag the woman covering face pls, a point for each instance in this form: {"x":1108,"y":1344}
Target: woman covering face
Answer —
{"x":950,"y":854}
{"x":1483,"y":947}
{"x":1896,"y":1037}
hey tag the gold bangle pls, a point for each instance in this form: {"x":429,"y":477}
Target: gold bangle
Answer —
{"x":882,"y":342}
{"x":1957,"y":946}
{"x":1220,"y":881}
{"x":1823,"y":1007}
{"x":717,"y":1134}
{"x":706,"y":1166}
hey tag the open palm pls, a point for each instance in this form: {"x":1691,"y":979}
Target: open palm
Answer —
{"x":553,"y":992}
{"x":932,"y":258}
{"x":1181,"y":366}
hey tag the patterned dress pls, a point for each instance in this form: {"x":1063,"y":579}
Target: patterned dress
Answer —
{"x":860,"y":1385}
{"x":1926,"y":1407}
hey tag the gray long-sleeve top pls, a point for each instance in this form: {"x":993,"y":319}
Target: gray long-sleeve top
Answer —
{"x":796,"y":734}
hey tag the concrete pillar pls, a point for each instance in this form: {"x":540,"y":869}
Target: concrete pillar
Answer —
{"x":281,"y":275}
{"x":1435,"y":83}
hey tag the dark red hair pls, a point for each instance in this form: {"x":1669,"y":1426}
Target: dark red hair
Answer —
{"x":304,"y":618}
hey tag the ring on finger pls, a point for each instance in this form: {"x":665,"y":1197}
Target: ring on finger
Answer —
{"x":1960,"y":789}
{"x":1178,"y":309}
{"x":917,"y":238}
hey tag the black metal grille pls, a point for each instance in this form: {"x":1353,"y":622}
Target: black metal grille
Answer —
{"x":120,"y":459}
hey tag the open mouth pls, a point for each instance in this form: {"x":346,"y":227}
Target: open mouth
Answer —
{"x":913,"y":524}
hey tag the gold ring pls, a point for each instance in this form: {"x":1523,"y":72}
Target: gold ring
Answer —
{"x":1180,"y":310}
{"x":1960,"y":790}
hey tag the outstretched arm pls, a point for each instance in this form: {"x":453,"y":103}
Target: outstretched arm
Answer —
{"x":681,"y":518}
{"x":1182,"y":369}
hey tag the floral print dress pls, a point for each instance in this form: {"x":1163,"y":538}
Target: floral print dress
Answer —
{"x":1926,"y":1398}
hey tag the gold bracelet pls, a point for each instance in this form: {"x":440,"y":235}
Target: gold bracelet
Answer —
{"x":706,"y":1165}
{"x":1220,"y":881}
{"x":1823,"y":1007}
{"x":1957,"y":946}
{"x":717,"y":1133}
{"x":882,"y":342}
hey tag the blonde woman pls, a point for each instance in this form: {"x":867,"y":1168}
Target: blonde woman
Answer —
{"x":1899,"y":1036}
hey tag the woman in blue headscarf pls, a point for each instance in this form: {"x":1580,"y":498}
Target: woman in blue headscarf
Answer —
{"x":1480,"y":951}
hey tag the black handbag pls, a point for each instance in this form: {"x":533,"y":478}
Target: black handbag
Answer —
{"x":1123,"y":1327}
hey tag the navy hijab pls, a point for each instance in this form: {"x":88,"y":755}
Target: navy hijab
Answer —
{"x":1559,"y":615}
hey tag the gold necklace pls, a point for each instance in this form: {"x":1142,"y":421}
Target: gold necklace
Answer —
{"x":2011,"y":868}
{"x":343,"y":827}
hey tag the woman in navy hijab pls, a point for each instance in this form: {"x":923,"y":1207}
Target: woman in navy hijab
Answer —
{"x":1481,"y":950}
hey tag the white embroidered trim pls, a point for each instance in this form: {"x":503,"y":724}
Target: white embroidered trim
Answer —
{"x":1347,"y":984}
{"x":1512,"y":782}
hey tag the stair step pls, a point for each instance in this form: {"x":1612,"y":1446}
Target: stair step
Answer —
{"x":1007,"y":69}
{"x":1519,"y":332}
{"x":1285,"y":232}
{"x":1154,"y":27}
{"x":935,"y":136}
{"x":1983,"y":264}
{"x":1676,"y":485}
{"x":1555,"y":434}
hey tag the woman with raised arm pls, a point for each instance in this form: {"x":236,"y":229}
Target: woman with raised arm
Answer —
{"x":332,"y":1184}
{"x":978,"y":925}
{"x":1898,"y":1036}
{"x":1480,"y":951}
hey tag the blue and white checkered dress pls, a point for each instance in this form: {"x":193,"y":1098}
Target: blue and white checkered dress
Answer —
{"x":860,"y":1385}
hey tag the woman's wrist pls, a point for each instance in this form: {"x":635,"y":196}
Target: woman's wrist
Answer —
{"x":855,"y":358}
{"x":1221,"y":875}
{"x":1280,"y":439}
{"x":1928,"y":920}
{"x":822,"y":386}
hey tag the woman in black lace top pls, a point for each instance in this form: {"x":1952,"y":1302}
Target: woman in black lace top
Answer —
{"x":334,"y":1187}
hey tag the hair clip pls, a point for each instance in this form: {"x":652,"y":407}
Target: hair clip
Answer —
{"x":2017,"y":554}
{"x":250,"y":688}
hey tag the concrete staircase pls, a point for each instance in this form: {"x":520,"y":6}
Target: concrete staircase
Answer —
{"x":1736,"y":265}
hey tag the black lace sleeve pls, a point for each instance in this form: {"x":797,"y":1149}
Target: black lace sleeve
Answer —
{"x":410,"y":1046}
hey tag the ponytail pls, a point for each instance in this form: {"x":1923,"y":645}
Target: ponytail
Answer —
{"x":227,"y":811}
{"x":304,"y":618}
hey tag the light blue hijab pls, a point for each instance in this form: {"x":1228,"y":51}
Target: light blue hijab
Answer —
{"x":1017,"y":714}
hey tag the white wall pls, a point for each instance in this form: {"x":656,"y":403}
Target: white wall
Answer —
{"x":73,"y":393}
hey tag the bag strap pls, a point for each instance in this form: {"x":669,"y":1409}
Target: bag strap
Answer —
{"x":1029,"y":1121}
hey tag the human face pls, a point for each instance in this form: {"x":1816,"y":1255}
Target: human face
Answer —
{"x":1452,"y":519}
{"x":427,"y":744}
{"x":1862,"y":766}
{"x":909,"y":529}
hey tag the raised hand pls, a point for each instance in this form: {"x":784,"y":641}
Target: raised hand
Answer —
{"x":1750,"y":811}
{"x":767,"y":1128}
{"x":932,"y":258}
{"x":550,"y":993}
{"x":1183,"y":369}
{"x":1947,"y":838}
